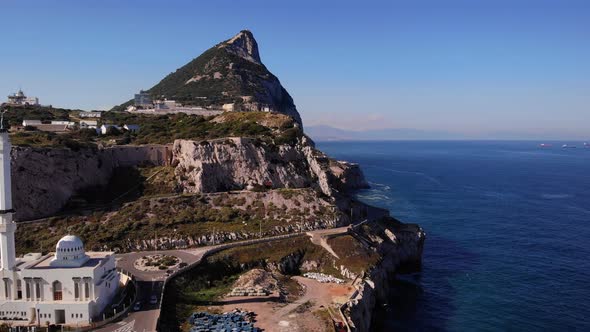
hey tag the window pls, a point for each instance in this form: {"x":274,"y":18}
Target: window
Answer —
{"x":76,"y":290}
{"x":28,"y":290}
{"x":19,"y":289}
{"x":6,"y":289}
{"x":86,"y":290}
{"x":38,"y":291}
{"x":57,"y":292}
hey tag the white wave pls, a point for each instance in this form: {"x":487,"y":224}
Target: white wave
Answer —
{"x":374,"y":197}
{"x":556,"y":196}
{"x":380,"y":186}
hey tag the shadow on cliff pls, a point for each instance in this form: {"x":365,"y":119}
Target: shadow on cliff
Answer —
{"x":126,"y":184}
{"x":424,"y":301}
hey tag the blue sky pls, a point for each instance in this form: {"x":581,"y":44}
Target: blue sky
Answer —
{"x":480,"y":68}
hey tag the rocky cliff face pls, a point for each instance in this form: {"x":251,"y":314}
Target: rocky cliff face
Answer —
{"x":44,"y":179}
{"x":241,"y":163}
{"x":220,"y":165}
{"x":399,"y":245}
{"x":237,"y":163}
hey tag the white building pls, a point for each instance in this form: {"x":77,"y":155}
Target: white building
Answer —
{"x":166,"y":104}
{"x":63,"y":123}
{"x":143,"y":99}
{"x":105,"y":128}
{"x":228,"y":107}
{"x":19,"y":98}
{"x":69,"y":286}
{"x":88,"y":124}
{"x":93,"y":114}
{"x":31,"y":123}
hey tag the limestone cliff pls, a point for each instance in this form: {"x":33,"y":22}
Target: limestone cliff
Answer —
{"x":398,"y":245}
{"x":44,"y":179}
{"x":219,"y":165}
{"x":240,"y":163}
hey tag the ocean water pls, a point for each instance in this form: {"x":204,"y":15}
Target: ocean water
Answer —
{"x":508,"y":232}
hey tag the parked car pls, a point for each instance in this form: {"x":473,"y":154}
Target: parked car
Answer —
{"x":154,"y":299}
{"x":137,"y":306}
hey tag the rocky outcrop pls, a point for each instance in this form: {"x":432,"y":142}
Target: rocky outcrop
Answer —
{"x":239,"y":163}
{"x":235,"y":163}
{"x":219,"y":165}
{"x":44,"y":179}
{"x":243,"y":45}
{"x":399,"y":245}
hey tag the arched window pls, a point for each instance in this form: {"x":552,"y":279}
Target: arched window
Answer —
{"x":57,"y":292}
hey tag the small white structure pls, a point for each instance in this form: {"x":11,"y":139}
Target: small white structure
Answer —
{"x":20,"y":99}
{"x":69,"y":287}
{"x":105,"y":128}
{"x":93,"y":114}
{"x":31,"y":123}
{"x":88,"y":124}
{"x":166,"y":104}
{"x":228,"y":107}
{"x":63,"y":123}
{"x":131,"y":128}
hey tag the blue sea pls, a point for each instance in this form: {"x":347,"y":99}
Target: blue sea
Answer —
{"x":508,"y":231}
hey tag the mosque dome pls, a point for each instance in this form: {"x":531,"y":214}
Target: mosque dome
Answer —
{"x":69,"y":251}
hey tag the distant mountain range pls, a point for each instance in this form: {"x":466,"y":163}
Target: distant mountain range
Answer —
{"x":327,"y":133}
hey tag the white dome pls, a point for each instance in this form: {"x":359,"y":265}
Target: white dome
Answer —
{"x":70,"y":242}
{"x":69,"y":252}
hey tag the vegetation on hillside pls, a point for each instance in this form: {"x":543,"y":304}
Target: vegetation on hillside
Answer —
{"x":166,"y":128}
{"x":165,"y":213}
{"x":223,"y":77}
{"x":272,"y":128}
{"x":16,"y":114}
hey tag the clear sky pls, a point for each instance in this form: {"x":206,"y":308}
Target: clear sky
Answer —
{"x":481,"y":68}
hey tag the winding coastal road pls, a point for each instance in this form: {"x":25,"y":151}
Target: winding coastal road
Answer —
{"x":151,"y":283}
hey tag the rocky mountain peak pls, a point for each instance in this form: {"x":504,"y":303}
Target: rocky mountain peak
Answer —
{"x":243,"y":45}
{"x":230,"y":72}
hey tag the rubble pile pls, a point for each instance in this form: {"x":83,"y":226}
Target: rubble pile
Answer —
{"x":249,"y":291}
{"x":324,"y":278}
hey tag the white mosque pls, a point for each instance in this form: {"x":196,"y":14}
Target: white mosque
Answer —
{"x":70,"y":286}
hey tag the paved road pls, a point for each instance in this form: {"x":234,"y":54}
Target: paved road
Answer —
{"x":148,"y":283}
{"x":151,"y":282}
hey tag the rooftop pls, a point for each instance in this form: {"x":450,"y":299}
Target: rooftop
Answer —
{"x":95,"y":259}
